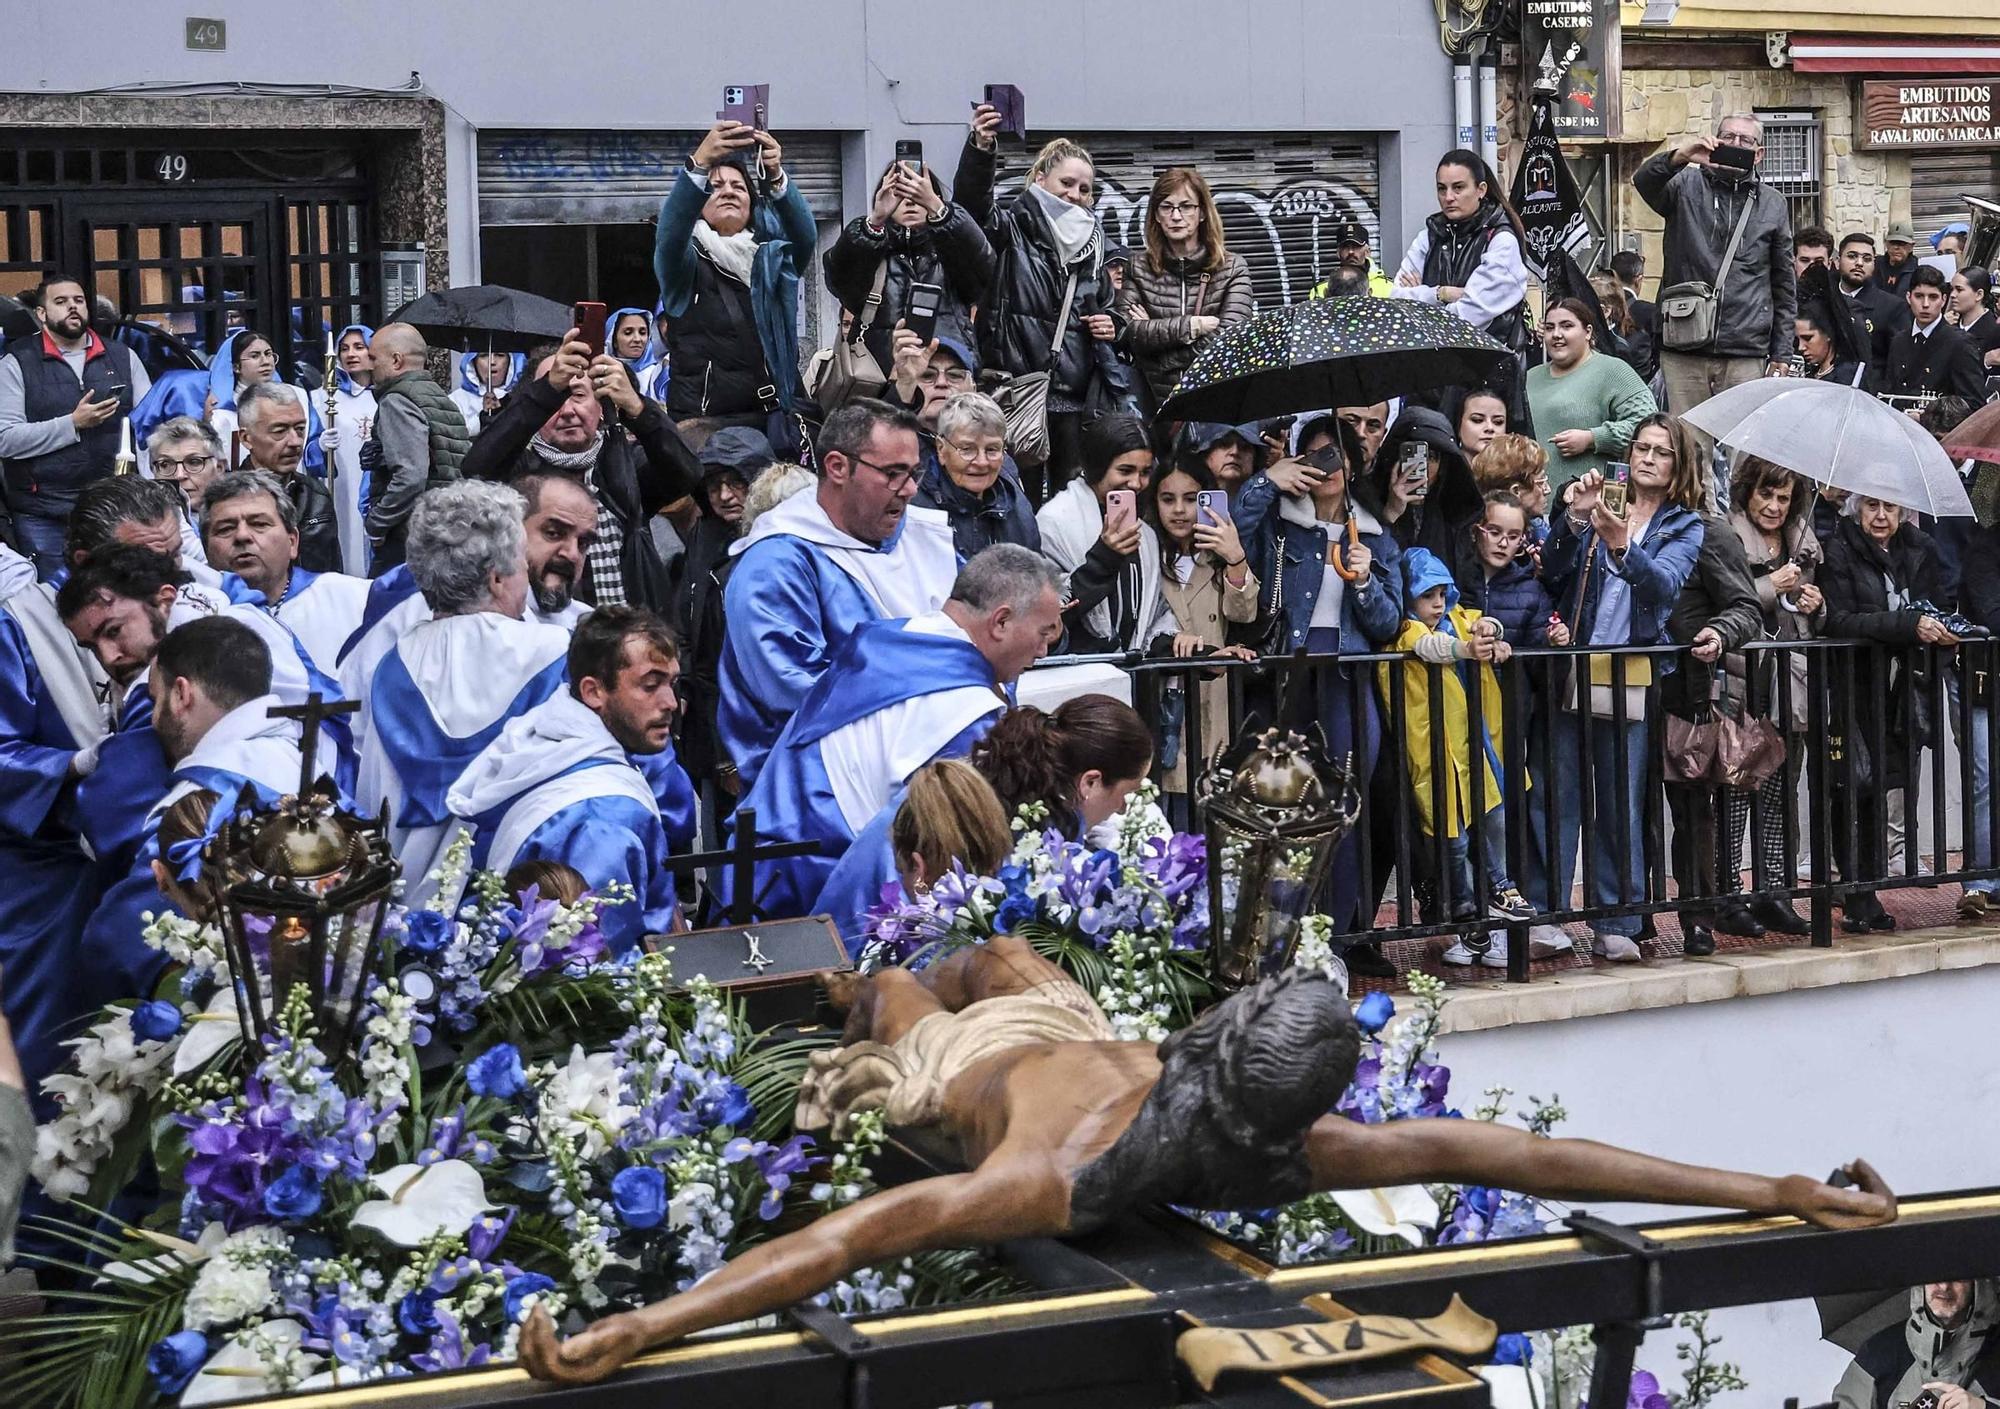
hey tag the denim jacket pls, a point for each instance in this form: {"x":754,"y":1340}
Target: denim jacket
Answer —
{"x":1656,"y":569}
{"x":1287,"y":549}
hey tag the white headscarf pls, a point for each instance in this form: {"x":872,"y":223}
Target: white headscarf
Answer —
{"x":1074,"y":229}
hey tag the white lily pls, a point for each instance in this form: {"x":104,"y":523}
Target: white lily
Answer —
{"x":423,"y":1200}
{"x":1406,"y":1211}
{"x":148,"y":1269}
{"x":209,"y":1031}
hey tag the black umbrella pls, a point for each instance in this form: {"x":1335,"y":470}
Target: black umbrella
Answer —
{"x":1349,"y":351}
{"x":1851,"y":1318}
{"x":486,"y":318}
{"x":15,"y":319}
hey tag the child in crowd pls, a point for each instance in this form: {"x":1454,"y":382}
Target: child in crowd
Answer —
{"x":1503,"y":585}
{"x":1439,"y":631}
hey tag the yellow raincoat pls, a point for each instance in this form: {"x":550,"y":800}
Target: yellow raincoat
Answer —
{"x":1456,"y":792}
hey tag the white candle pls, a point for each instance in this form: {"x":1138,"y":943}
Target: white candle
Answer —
{"x":329,"y":342}
{"x":125,"y":438}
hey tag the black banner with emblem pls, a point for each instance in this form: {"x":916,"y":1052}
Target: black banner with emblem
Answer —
{"x":1545,"y":194}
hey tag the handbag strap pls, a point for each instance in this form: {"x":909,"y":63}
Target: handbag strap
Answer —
{"x":863,"y":324}
{"x":1735,"y":239}
{"x":1062,"y":318}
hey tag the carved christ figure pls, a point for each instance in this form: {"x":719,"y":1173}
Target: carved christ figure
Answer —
{"x":1059,"y":1128}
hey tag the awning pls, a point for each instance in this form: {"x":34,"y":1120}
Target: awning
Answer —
{"x":1851,"y":54}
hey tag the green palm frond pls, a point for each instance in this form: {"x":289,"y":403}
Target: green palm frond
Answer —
{"x":545,"y":1017}
{"x":770,"y":1072}
{"x":90,"y":1349}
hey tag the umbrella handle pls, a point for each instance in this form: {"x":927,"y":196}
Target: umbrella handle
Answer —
{"x":1347,"y":574}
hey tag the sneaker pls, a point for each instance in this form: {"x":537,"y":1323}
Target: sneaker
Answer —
{"x":1618,"y":948}
{"x":1973,"y":907}
{"x":1546,"y":941}
{"x":1510,"y":904}
{"x":1495,"y":956}
{"x":1457,"y":955}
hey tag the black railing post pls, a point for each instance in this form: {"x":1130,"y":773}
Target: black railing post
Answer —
{"x":1819,"y":797}
{"x":743,"y":868}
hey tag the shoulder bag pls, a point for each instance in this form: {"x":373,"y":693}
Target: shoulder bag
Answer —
{"x":1689,"y":311}
{"x":852,"y":370}
{"x":1025,"y":399}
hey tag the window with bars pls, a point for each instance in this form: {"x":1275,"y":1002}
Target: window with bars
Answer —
{"x":1792,"y":160}
{"x":27,"y":245}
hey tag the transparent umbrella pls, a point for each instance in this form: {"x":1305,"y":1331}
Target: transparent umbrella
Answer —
{"x":1838,"y":436}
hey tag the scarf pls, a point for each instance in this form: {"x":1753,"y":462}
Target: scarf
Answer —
{"x":733,"y":254}
{"x":574,"y":462}
{"x":909,"y":574}
{"x":1071,"y":524}
{"x":1075,"y":230}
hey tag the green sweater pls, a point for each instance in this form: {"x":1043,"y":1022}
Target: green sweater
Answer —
{"x":1601,"y":395}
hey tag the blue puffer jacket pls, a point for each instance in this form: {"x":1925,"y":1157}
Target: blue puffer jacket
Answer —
{"x":1657,"y":569}
{"x":1514,"y":597}
{"x":1287,"y":549}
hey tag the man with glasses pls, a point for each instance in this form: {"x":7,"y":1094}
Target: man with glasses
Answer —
{"x":187,"y":454}
{"x":929,"y":374}
{"x":818,"y":566}
{"x":1704,"y":197}
{"x":968,"y":477}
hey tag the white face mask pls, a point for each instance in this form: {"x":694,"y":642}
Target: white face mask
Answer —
{"x":1073,"y":227}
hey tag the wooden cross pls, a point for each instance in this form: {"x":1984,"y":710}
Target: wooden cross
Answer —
{"x":314,"y":712}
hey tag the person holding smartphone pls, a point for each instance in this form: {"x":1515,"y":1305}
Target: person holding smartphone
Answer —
{"x":1423,"y":483}
{"x":1093,"y":532}
{"x":734,"y":236}
{"x":913,"y":234}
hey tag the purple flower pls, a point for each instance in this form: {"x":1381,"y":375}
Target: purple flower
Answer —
{"x":450,"y":1350}
{"x":527,"y":1284}
{"x":1646,"y":1393}
{"x":173,"y":1361}
{"x":640,"y":1195}
{"x":1372,"y":1014}
{"x":497,"y":1072}
{"x":156,"y":1021}
{"x":427,"y":932}
{"x":778,"y":1164}
{"x":484,"y":1237}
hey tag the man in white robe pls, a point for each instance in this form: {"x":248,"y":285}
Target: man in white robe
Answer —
{"x":899,"y":694}
{"x":251,"y":531}
{"x":444,"y":691}
{"x":561,"y":783}
{"x":818,"y":566}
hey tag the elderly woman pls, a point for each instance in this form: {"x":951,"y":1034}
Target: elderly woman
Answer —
{"x":1615,"y":578}
{"x":1051,"y":299}
{"x":1878,"y":569}
{"x":734,"y":234}
{"x":971,"y":479}
{"x":443,"y":691}
{"x":1770,"y":513}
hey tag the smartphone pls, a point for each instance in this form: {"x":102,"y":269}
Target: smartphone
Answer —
{"x":1121,"y":509}
{"x":589,"y":321}
{"x":1616,"y":478}
{"x":1006,"y":98}
{"x":910,"y":152}
{"x":920,"y":314}
{"x":747,"y":103}
{"x":1413,"y":467}
{"x":1213,"y":502}
{"x":1740,"y":158}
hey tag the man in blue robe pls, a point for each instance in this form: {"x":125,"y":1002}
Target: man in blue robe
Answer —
{"x":250,"y":530}
{"x":210,"y":687}
{"x":446,"y":689}
{"x":899,"y":694}
{"x":561,"y":783}
{"x":818,"y":566}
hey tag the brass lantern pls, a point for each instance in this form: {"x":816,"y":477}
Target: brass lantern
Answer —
{"x":301,"y":891}
{"x":1275,"y":809}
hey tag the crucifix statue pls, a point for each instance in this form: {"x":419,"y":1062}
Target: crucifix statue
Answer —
{"x":1059,"y":1128}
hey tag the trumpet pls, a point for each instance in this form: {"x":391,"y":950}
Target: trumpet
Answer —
{"x":1918,"y":401}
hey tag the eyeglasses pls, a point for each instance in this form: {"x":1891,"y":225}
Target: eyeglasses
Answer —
{"x":951,"y":376}
{"x":1535,"y":481}
{"x":1178,"y":207}
{"x":1737,"y":139}
{"x":897,"y":476}
{"x":171,"y":469}
{"x":1503,"y":537}
{"x":983,"y":453}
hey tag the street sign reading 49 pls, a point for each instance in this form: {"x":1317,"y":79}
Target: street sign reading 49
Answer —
{"x":207,"y":34}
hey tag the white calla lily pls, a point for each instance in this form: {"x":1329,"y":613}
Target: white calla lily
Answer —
{"x":236,"y":1372}
{"x":187,"y":1254}
{"x":1406,"y":1211}
{"x":441,"y":1198}
{"x":209,"y":1031}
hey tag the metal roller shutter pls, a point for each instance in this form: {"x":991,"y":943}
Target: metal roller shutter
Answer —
{"x":618,"y":178}
{"x":1279,"y":194}
{"x":1940,"y":180}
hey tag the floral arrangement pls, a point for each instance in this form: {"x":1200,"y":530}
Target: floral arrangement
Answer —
{"x":1559,"y":1364}
{"x":1398,"y":1078}
{"x":520,"y":1122}
{"x":1128,"y":920}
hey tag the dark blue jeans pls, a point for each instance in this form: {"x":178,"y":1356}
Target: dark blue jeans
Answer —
{"x":1617,"y":798}
{"x":41,"y":539}
{"x":1351,"y":720}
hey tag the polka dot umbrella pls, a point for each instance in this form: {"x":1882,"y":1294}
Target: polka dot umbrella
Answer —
{"x":1350,"y":351}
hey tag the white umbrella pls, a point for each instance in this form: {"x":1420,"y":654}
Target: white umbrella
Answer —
{"x":1839,"y":436}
